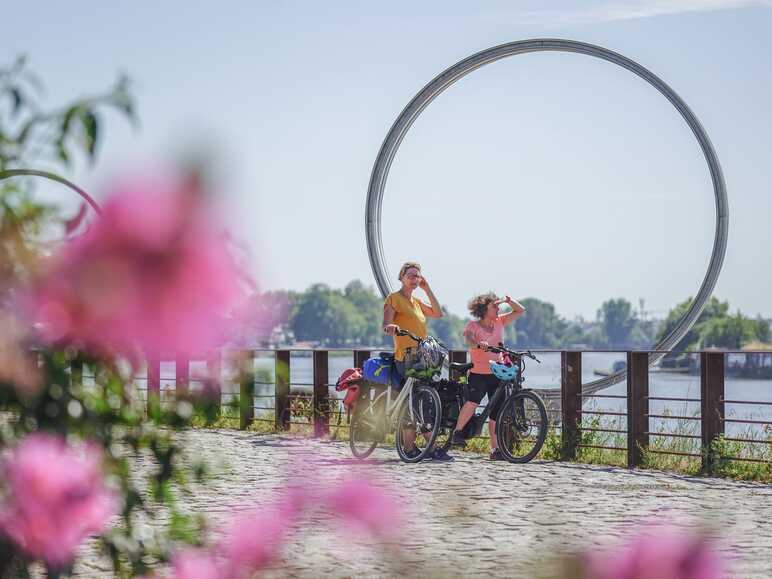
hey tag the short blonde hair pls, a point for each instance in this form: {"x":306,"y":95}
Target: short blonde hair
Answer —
{"x":406,"y":266}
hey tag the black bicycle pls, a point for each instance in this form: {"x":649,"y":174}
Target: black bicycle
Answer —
{"x":521,"y":423}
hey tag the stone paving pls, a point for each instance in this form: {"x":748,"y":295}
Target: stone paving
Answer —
{"x":473,"y":516}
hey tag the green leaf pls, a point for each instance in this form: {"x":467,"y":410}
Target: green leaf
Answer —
{"x":61,"y":153}
{"x":18,"y":101}
{"x":90,"y":132}
{"x":67,"y":121}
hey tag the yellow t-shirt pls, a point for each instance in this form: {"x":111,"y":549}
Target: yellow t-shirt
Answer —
{"x":409,"y":316}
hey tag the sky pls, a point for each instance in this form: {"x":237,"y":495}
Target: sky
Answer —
{"x":555,"y":176}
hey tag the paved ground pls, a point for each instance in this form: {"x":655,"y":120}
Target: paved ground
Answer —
{"x":474,"y":516}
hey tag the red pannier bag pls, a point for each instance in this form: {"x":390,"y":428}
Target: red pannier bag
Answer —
{"x":350,"y":381}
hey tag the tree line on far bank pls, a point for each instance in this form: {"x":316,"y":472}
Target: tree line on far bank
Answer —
{"x":351,"y":317}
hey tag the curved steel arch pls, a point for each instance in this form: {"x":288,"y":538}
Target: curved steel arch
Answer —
{"x":452,"y":74}
{"x":52,"y":177}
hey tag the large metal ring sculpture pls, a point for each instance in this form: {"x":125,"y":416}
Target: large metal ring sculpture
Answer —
{"x":52,"y":177}
{"x":449,"y":76}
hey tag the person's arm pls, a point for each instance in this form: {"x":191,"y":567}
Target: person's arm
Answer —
{"x":435,"y":310}
{"x":517,"y":311}
{"x":388,"y":325}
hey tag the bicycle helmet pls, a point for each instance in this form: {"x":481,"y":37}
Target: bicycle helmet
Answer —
{"x":504,"y":372}
{"x":425,"y":360}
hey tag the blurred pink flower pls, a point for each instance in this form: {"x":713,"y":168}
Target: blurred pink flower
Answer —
{"x":659,"y":552}
{"x":151,"y":271}
{"x":196,"y":564}
{"x":255,"y":540}
{"x":57,"y":497}
{"x":362,"y":506}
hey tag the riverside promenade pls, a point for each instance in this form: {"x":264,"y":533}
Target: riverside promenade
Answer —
{"x":471,"y":515}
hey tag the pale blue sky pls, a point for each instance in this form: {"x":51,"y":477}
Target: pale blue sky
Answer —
{"x":546,"y":175}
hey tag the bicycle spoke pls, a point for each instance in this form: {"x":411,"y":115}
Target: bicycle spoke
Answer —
{"x":522,"y":427}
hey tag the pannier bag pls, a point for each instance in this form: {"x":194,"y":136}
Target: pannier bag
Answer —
{"x":380,"y":370}
{"x":350,"y":381}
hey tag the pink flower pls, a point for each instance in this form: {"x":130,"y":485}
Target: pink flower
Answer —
{"x":151,"y":271}
{"x":364,"y":507}
{"x":57,"y":497}
{"x":196,"y":564}
{"x":255,"y":540}
{"x":658,"y":553}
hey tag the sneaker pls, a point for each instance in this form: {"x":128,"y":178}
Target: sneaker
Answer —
{"x":442,"y":455}
{"x":457,"y":439}
{"x":496,"y":455}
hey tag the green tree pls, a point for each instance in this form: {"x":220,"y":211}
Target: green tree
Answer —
{"x":713,"y":309}
{"x":370,"y":307}
{"x":325,"y":316}
{"x":539,"y":327}
{"x":763,"y":332}
{"x":729,"y":332}
{"x":617,"y":321}
{"x":448,"y":329}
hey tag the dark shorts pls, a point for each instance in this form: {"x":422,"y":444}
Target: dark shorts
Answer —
{"x":481,"y":385}
{"x":399,"y":379}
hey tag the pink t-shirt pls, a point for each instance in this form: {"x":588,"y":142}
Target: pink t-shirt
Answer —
{"x":478,"y":334}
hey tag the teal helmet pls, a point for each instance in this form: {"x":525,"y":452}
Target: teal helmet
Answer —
{"x":504,"y":372}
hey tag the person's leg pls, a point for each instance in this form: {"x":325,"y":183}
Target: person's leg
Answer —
{"x":476,"y":387}
{"x":467,"y":411}
{"x":408,"y":434}
{"x":492,"y":384}
{"x":492,"y":431}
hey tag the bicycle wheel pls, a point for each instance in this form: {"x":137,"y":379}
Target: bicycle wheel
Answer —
{"x":521,"y":426}
{"x":417,"y":430}
{"x":363,"y":434}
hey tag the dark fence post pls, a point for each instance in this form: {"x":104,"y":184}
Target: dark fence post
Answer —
{"x":711,"y":405}
{"x":153,"y":383}
{"x":457,"y":356}
{"x":246,"y":388}
{"x":637,"y":407}
{"x":182,"y":375}
{"x":360,"y":356}
{"x":321,"y":400}
{"x":282,"y":389}
{"x":571,"y":403}
{"x":214,"y":369}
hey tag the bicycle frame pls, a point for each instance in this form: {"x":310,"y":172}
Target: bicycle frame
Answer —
{"x":503,"y":390}
{"x":391,"y":407}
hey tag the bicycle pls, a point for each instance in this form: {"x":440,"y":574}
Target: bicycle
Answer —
{"x":416,"y":409}
{"x":521,"y":423}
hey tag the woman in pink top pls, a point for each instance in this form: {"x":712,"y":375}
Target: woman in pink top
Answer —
{"x":487,"y":329}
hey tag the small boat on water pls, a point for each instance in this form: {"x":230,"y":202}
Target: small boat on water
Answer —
{"x":618,"y":366}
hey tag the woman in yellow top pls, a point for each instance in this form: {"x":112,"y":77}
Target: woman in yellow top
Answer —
{"x":402,"y":311}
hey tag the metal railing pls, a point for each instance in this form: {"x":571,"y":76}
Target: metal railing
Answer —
{"x":638,"y":433}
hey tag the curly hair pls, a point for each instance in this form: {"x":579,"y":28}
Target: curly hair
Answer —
{"x":478,"y":305}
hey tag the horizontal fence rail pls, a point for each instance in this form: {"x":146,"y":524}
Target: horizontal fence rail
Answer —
{"x":319,"y":410}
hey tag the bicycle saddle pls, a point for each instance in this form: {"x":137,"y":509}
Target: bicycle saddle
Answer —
{"x":461,"y":368}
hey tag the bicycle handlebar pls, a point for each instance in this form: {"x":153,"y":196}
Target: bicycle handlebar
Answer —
{"x":500,"y":349}
{"x":413,"y":337}
{"x":416,"y":339}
